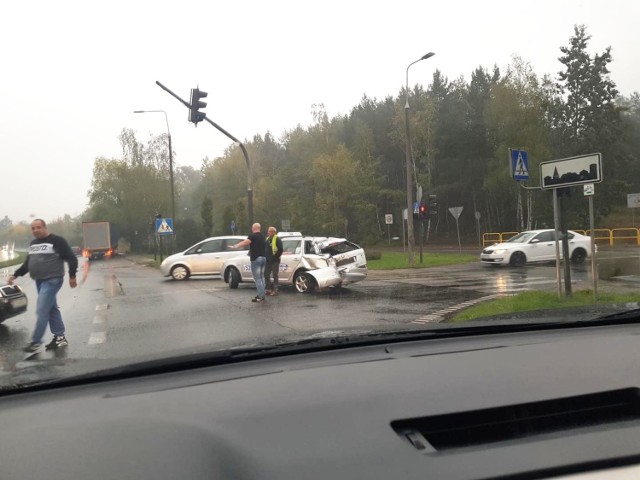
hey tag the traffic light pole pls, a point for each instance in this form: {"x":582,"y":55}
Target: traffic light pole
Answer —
{"x":242,"y":147}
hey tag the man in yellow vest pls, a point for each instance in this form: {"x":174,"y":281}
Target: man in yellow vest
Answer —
{"x":273,"y":251}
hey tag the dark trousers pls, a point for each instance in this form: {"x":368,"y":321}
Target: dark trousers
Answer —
{"x":271,"y":268}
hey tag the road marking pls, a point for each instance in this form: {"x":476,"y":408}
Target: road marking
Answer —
{"x":439,"y":316}
{"x":97,"y":337}
{"x":101,"y":321}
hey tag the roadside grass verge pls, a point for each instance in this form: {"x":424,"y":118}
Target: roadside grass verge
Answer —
{"x":396,"y":260}
{"x":530,"y":301}
{"x":19,"y":260}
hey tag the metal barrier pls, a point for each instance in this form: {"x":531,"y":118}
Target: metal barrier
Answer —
{"x":491,"y":238}
{"x":625,"y":234}
{"x":603,"y":235}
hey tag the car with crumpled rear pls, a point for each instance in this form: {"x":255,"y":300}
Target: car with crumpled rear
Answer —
{"x":307,"y":263}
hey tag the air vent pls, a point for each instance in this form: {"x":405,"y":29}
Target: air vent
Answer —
{"x":523,"y":421}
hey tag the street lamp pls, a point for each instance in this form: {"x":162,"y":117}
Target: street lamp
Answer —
{"x":410,"y":238}
{"x":173,"y":198}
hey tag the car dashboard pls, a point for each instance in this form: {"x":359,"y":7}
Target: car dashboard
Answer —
{"x":523,"y":405}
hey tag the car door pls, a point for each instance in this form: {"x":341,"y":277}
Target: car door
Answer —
{"x":207,"y":258}
{"x":226,"y":253}
{"x":292,"y":251}
{"x":542,"y":247}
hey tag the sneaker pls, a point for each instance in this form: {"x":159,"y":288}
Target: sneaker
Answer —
{"x":268,"y":292}
{"x":57,"y":342}
{"x":258,"y":299}
{"x":33,"y":347}
{"x":274,"y":293}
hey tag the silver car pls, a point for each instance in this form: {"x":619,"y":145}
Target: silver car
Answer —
{"x":203,"y":258}
{"x":307,"y":263}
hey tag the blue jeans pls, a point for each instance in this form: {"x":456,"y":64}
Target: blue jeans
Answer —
{"x":257,"y":270}
{"x":47,"y":310}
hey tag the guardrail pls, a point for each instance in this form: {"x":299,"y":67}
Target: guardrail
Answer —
{"x":610,"y":236}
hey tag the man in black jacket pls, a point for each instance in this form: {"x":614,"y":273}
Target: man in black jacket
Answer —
{"x":273,"y":251}
{"x":45,"y":264}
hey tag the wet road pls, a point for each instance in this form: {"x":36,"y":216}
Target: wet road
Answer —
{"x":123,"y":311}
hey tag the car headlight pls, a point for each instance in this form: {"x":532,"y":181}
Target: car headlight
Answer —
{"x":500,"y":252}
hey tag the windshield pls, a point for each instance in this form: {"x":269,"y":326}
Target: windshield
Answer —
{"x":522,"y":237}
{"x":158,"y":156}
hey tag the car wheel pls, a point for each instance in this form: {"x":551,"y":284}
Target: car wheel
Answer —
{"x":303,"y":282}
{"x":578,"y":255}
{"x":234,"y":277}
{"x":180,"y":272}
{"x":518,"y":259}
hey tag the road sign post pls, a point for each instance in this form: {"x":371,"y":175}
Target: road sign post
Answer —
{"x":388,"y":219}
{"x":456,"y":211}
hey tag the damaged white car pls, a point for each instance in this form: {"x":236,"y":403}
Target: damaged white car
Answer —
{"x":307,"y":263}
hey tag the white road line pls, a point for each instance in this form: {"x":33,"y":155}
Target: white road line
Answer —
{"x":439,"y":316}
{"x":102,"y":307}
{"x":97,"y":337}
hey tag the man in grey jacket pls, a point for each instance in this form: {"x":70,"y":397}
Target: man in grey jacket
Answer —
{"x":45,"y":264}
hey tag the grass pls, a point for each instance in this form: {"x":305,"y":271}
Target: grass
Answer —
{"x":19,"y":260}
{"x":395,"y":260}
{"x":530,"y":301}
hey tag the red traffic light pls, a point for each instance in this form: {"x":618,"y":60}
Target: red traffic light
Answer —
{"x":422,"y":210}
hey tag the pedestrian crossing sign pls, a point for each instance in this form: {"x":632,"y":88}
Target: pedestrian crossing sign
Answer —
{"x":164,"y":226}
{"x":520,"y":164}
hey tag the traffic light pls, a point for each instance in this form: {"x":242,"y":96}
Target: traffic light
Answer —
{"x":433,"y":205}
{"x":195,"y":115}
{"x":422,"y":211}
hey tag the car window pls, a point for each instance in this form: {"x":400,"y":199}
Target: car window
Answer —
{"x":213,"y":246}
{"x":195,"y":249}
{"x":230,"y":241}
{"x":291,"y":247}
{"x":545,"y":237}
{"x":309,"y":247}
{"x":339,"y":247}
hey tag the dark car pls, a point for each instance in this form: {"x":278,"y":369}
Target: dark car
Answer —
{"x":13,"y":301}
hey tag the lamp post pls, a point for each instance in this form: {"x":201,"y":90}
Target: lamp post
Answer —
{"x":410,"y":237}
{"x":173,"y":198}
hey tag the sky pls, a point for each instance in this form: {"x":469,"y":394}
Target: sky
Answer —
{"x":73,"y":72}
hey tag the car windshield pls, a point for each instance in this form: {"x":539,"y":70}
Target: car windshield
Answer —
{"x":194,"y":177}
{"x":522,"y":237}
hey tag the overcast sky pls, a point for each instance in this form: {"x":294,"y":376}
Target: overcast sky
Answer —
{"x":73,"y":71}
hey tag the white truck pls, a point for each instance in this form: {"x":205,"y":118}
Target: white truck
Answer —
{"x":100,"y":240}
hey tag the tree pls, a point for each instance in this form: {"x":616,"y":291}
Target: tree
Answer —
{"x":588,"y":118}
{"x":206,"y":213}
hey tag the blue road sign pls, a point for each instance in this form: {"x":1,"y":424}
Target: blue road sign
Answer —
{"x":520,"y":164}
{"x":416,"y":207}
{"x":164,"y":226}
